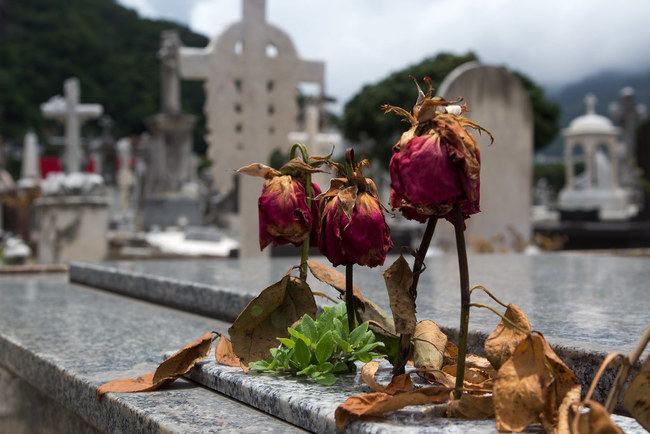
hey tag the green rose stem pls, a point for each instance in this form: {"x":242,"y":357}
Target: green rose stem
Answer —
{"x":308,"y":192}
{"x":464,"y":299}
{"x":349,"y":297}
{"x":404,"y":338}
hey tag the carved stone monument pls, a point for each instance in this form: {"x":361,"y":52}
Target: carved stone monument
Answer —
{"x":251,"y":73}
{"x":68,"y":110}
{"x":498,"y":102}
{"x":169,"y":161}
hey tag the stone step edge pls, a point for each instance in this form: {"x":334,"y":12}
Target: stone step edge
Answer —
{"x":225,"y":304}
{"x":318,"y":416}
{"x":72,"y":392}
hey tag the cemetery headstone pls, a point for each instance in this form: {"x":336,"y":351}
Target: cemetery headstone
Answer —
{"x":68,"y":110}
{"x":499,"y":102}
{"x":251,"y":72}
{"x":30,"y":172}
{"x":168,"y":155}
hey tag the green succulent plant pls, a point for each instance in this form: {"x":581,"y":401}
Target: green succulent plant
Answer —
{"x":321,"y":348}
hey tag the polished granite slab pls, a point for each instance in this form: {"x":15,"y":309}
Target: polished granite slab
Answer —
{"x":312,"y":406}
{"x":593,"y":302}
{"x":64,"y":340}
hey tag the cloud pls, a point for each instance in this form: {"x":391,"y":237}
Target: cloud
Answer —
{"x":361,"y":41}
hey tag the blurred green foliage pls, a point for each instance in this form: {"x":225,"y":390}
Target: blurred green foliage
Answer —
{"x":108,"y":47}
{"x":364,"y":120}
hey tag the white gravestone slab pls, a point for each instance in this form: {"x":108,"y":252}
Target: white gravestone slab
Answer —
{"x":251,"y":74}
{"x":498,"y":102}
{"x":68,"y":110}
{"x":30,"y":172}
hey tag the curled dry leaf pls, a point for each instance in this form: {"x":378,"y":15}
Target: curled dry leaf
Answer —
{"x":169,"y":370}
{"x":268,"y":316}
{"x":473,"y":377}
{"x":378,"y":403}
{"x":335,"y":279}
{"x":398,"y":278}
{"x":259,"y":170}
{"x":472,"y":407}
{"x":224,"y":354}
{"x":436,"y":376}
{"x":368,"y":376}
{"x":297,"y":167}
{"x":502,"y":342}
{"x":521,"y":386}
{"x":563,"y":381}
{"x":399,"y":384}
{"x":451,"y":354}
{"x":597,"y":421}
{"x":565,"y":412}
{"x":479,"y":362}
{"x":637,"y":396}
{"x":429,"y":344}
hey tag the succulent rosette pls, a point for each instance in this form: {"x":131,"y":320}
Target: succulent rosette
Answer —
{"x":284,"y":216}
{"x":352,"y":225}
{"x":436,"y":163}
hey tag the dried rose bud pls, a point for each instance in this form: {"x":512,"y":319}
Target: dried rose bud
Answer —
{"x":436,"y":163}
{"x":352,"y":225}
{"x":283,"y":213}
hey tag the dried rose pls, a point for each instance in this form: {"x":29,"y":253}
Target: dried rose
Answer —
{"x":283,"y":213}
{"x":352,"y":225}
{"x":436,"y":163}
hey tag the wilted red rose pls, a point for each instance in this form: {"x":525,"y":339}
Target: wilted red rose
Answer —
{"x":283,"y":213}
{"x":436,"y":164}
{"x":352,"y":226}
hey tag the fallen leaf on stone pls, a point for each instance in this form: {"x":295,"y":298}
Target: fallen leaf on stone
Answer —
{"x":473,"y":377}
{"x":521,"y":385}
{"x":472,"y":407}
{"x":597,"y":421}
{"x":502,"y":342}
{"x":378,"y":403}
{"x":636,"y":399}
{"x":478,"y":362}
{"x":369,"y":311}
{"x":398,"y":278}
{"x":224,"y":354}
{"x":436,"y":376}
{"x":268,"y":316}
{"x":169,"y":370}
{"x":399,"y":384}
{"x":563,"y":381}
{"x":451,"y":353}
{"x":429,"y":344}
{"x":368,"y":376}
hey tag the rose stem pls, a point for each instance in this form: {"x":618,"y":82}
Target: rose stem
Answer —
{"x":405,"y":339}
{"x":464,"y":299}
{"x":308,"y":192}
{"x":349,"y":297}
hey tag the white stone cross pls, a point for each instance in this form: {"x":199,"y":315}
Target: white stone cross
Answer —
{"x":68,"y":110}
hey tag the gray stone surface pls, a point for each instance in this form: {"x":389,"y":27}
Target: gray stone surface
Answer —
{"x":311,"y":406}
{"x":593,"y":302}
{"x":65,"y":340}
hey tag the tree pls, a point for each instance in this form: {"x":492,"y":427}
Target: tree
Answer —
{"x":363,"y":121}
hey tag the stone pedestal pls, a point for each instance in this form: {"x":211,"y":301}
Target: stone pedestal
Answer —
{"x":611,"y":204}
{"x":72,"y":228}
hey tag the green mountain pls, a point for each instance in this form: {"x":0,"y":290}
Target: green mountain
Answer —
{"x":107,"y":46}
{"x":606,"y":86}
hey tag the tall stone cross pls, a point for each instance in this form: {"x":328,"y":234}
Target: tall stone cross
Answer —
{"x":68,"y":110}
{"x":251,"y":73}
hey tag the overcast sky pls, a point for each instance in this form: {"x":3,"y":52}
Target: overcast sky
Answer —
{"x":361,"y":41}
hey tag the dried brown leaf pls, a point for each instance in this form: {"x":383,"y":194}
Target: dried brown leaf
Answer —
{"x":259,"y":170}
{"x":521,"y":386}
{"x":500,"y":345}
{"x":571,"y":399}
{"x":471,"y":407}
{"x":398,"y":278}
{"x":268,"y":316}
{"x":597,"y":421}
{"x":438,"y":377}
{"x":332,"y":277}
{"x":224,"y":354}
{"x":348,"y":198}
{"x":451,"y":353}
{"x":378,"y":403}
{"x":297,"y":167}
{"x":429,"y":344}
{"x":473,"y":376}
{"x":399,"y":384}
{"x":368,"y":376}
{"x":170,"y":369}
{"x":563,"y":381}
{"x":636,"y":399}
